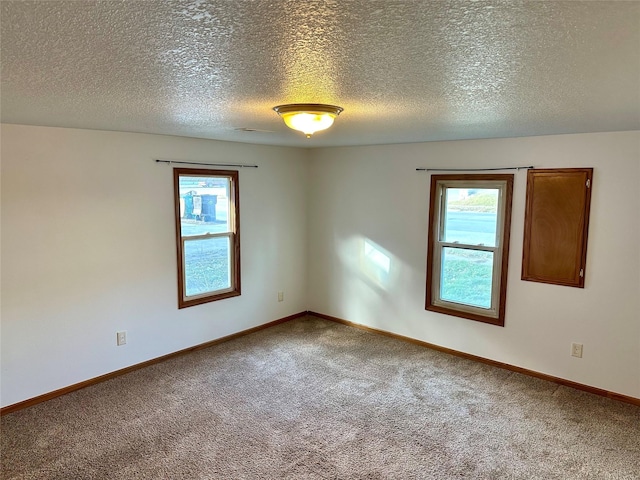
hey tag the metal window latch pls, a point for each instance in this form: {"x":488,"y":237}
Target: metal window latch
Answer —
{"x":582,"y":272}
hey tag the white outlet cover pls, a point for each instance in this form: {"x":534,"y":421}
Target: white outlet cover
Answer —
{"x":576,"y":350}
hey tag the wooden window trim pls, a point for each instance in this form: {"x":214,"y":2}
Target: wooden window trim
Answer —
{"x":434,"y":216}
{"x":234,"y":236}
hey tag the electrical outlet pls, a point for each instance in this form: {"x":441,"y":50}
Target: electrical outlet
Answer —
{"x":281,"y":296}
{"x":121,"y":338}
{"x":576,"y":350}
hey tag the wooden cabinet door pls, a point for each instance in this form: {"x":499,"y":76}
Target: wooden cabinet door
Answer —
{"x":556,"y":225}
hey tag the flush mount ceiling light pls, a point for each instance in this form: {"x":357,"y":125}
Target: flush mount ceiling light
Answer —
{"x":308,"y":118}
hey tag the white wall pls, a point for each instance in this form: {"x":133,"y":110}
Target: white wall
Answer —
{"x":88,"y":248}
{"x":374,"y":194}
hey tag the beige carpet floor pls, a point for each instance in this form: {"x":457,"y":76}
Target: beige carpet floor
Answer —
{"x":311,"y":399}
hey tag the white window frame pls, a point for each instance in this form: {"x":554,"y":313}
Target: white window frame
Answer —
{"x":436,"y":245}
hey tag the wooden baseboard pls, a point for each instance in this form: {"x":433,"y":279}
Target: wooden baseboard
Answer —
{"x":92,"y":381}
{"x":568,"y":383}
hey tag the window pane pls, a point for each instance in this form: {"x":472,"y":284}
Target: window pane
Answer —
{"x":206,"y":264}
{"x":466,"y":276}
{"x":204,"y":205}
{"x":471,"y":216}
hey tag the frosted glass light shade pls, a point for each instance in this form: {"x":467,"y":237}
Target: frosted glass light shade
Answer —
{"x":308,"y":117}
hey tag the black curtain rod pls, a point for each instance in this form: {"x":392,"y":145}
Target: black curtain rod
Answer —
{"x":471,"y":169}
{"x":241,"y":165}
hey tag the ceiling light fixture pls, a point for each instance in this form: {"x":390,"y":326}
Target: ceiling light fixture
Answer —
{"x":308,"y":118}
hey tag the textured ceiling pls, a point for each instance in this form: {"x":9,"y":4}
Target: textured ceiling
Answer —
{"x":404,"y":71}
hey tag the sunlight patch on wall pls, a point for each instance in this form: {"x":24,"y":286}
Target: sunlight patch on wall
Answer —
{"x":375,"y":262}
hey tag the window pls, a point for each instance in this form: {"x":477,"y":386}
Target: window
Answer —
{"x":468,"y":246}
{"x":208,"y":235}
